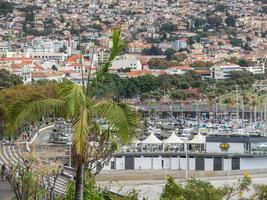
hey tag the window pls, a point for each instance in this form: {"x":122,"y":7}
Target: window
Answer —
{"x":112,"y":165}
{"x":235,"y":163}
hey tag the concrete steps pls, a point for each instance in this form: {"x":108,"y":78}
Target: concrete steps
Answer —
{"x":11,"y":154}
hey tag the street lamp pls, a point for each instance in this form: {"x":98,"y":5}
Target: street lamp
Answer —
{"x":228,"y":171}
{"x":187,"y":162}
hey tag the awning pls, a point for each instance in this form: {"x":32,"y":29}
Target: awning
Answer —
{"x":152,"y":139}
{"x":198,"y":139}
{"x":173,"y":139}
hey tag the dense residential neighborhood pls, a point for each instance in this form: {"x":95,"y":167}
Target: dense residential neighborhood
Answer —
{"x":52,"y":40}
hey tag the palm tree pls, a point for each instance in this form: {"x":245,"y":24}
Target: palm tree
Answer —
{"x":85,"y":112}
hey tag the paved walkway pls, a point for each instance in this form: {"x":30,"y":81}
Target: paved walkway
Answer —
{"x":5,"y":191}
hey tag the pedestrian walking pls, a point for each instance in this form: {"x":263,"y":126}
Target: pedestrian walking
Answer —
{"x":3,"y":172}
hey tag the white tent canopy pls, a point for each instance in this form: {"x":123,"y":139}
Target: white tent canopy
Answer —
{"x":173,"y":139}
{"x":198,"y":139}
{"x":151,"y":139}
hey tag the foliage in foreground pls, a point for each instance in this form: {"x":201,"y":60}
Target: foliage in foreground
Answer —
{"x":32,"y":179}
{"x":92,"y":192}
{"x":195,"y":189}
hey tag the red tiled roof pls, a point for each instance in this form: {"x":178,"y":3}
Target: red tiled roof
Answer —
{"x":192,"y":91}
{"x":202,"y":71}
{"x":137,"y":73}
{"x":46,"y":74}
{"x":181,"y":67}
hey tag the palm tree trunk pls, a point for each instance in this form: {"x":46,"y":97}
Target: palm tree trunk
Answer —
{"x":79,"y":180}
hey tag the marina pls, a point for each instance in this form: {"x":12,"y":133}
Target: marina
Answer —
{"x":177,"y":143}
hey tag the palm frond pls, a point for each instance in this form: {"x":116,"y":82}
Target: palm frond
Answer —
{"x":73,"y":95}
{"x":81,"y":130}
{"x":31,"y":109}
{"x":117,"y":46}
{"x":122,"y":118}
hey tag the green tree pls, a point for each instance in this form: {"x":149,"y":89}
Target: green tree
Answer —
{"x":199,"y":22}
{"x":54,"y":67}
{"x":236,"y":42}
{"x":7,"y":79}
{"x":214,"y":21}
{"x":201,"y":64}
{"x":159,"y":63}
{"x":30,"y":179}
{"x":221,"y":8}
{"x":180,"y":57}
{"x":170,"y":53}
{"x":77,"y":103}
{"x":261,"y":192}
{"x":247,"y":47}
{"x":5,"y":7}
{"x":92,"y":192}
{"x":230,"y":21}
{"x":200,"y":190}
{"x":168,"y":27}
{"x":152,"y":51}
{"x":245,"y":63}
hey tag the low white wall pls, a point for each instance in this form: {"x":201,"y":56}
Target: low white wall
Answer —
{"x":120,"y":163}
{"x":182,"y":163}
{"x":142,"y":163}
{"x":208,"y":164}
{"x":167,"y":162}
{"x":253,"y":163}
{"x":192,"y":163}
{"x":157,"y":162}
{"x":227,"y":164}
{"x":175,"y":162}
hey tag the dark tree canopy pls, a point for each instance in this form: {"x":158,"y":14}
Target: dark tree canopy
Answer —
{"x":221,"y":8}
{"x":230,"y":21}
{"x":199,"y":22}
{"x":7,"y":80}
{"x":152,"y":51}
{"x":214,"y":21}
{"x":168,"y":27}
{"x":236,"y":42}
{"x":170,"y":53}
{"x":5,"y":7}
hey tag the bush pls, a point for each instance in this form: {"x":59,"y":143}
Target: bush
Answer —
{"x":92,"y":192}
{"x":199,"y":190}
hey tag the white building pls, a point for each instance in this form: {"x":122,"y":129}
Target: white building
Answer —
{"x":4,"y":46}
{"x":223,"y":71}
{"x":178,"y":70}
{"x":179,"y":44}
{"x":127,"y":62}
{"x":219,"y":154}
{"x":24,"y":71}
{"x":256,"y":69}
{"x":47,"y":56}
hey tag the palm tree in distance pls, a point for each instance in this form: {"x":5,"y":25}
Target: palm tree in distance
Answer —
{"x":93,"y":119}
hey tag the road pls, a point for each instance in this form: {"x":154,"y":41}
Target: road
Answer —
{"x":43,"y":136}
{"x":151,"y":189}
